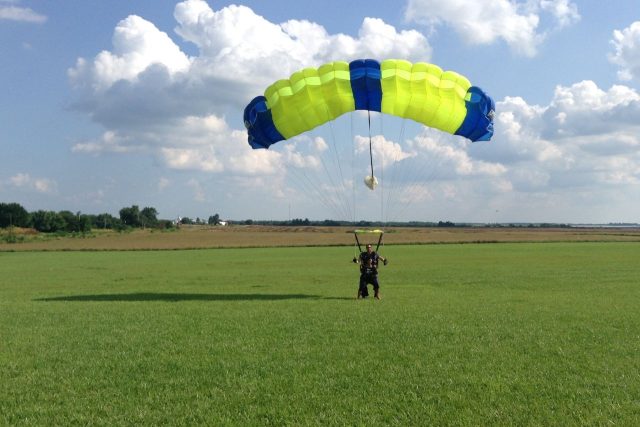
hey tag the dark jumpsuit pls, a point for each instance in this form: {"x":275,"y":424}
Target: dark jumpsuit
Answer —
{"x":368,"y":272}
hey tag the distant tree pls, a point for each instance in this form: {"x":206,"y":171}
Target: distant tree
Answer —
{"x":130,"y":216}
{"x":300,"y":221}
{"x":149,"y":217}
{"x":104,"y":221}
{"x":186,"y":220}
{"x":77,"y":222}
{"x":13,"y":214}
{"x":47,"y":221}
{"x":69,"y":218}
{"x":83,"y":223}
{"x":214,"y":219}
{"x":248,"y":222}
{"x":446,"y":224}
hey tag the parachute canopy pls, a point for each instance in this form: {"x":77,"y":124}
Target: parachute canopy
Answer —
{"x":421,"y":92}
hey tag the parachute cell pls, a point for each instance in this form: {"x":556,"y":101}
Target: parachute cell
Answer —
{"x":422,"y":92}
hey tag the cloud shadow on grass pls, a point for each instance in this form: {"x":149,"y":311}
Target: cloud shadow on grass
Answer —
{"x":177,"y":297}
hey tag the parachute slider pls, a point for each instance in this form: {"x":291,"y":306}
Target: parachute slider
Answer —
{"x":371,"y":182}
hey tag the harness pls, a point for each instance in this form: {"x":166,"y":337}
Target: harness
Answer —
{"x":369,"y":263}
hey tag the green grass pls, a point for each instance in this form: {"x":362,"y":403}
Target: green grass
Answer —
{"x":493,"y":334}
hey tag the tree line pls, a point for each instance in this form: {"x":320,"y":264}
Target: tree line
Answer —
{"x":15,"y":215}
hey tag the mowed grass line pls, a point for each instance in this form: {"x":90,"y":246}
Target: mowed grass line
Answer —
{"x":524,"y":334}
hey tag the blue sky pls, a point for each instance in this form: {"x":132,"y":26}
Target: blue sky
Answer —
{"x":111,"y":103}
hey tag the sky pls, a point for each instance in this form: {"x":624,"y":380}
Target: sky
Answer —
{"x":107,"y":104}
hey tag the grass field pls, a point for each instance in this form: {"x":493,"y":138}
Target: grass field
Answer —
{"x":473,"y":334}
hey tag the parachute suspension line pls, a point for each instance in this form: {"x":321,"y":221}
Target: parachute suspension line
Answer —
{"x":421,"y":176}
{"x":308,"y":186}
{"x":308,"y":183}
{"x":336,"y":192}
{"x":414,"y":177}
{"x":394,"y":182}
{"x":370,"y":181}
{"x":353,"y":168}
{"x":382,"y":186}
{"x":414,"y":183}
{"x":336,"y":157}
{"x":417,"y":183}
{"x":305,"y":184}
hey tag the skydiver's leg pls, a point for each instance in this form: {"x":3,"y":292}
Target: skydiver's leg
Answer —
{"x":362,"y":289}
{"x":376,"y":286}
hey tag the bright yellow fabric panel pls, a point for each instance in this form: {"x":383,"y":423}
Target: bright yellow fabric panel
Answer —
{"x":424,"y":93}
{"x":310,"y":97}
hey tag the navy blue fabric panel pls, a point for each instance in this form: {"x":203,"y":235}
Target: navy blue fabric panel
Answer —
{"x":365,"y":84}
{"x":470,"y":122}
{"x":259,"y":123}
{"x":374,"y":86}
{"x":478,"y":123}
{"x":358,"y":84}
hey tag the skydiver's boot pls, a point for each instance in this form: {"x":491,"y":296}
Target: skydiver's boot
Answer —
{"x":376,"y":295}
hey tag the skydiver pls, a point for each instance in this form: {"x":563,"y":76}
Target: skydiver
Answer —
{"x":368,"y":261}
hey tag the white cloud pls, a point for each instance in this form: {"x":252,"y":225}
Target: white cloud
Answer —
{"x":146,"y":76}
{"x":626,"y":44}
{"x":297,"y":159}
{"x":109,"y":141}
{"x":451,"y":155}
{"x":137,"y":44}
{"x":586,"y":139}
{"x":191,"y":159}
{"x":204,"y":144}
{"x":585,"y":109}
{"x":153,"y":98}
{"x":564,"y":12}
{"x":486,"y":21}
{"x":20,"y":14}
{"x":385,"y":152}
{"x":27,"y":182}
{"x":519,"y":135}
{"x":320,"y":145}
{"x":237,"y":41}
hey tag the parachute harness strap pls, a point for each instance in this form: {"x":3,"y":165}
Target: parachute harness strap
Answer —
{"x":355,"y":233}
